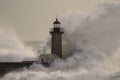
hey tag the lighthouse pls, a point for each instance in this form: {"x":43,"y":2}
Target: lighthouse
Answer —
{"x":56,"y":38}
{"x":56,"y":45}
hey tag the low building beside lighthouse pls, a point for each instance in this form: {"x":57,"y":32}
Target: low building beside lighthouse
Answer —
{"x":56,"y":44}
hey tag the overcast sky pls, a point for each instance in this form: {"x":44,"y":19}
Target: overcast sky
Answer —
{"x":33,"y":18}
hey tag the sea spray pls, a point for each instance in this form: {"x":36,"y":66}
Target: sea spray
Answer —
{"x":94,"y":42}
{"x":12,"y":49}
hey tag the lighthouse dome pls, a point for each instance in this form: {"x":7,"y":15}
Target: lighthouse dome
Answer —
{"x":56,"y":22}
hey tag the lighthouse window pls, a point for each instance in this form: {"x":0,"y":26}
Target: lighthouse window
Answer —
{"x":56,"y":25}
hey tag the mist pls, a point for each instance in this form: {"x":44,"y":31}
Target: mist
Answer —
{"x":12,"y":49}
{"x":92,"y":42}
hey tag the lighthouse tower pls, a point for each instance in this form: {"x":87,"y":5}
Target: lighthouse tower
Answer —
{"x":56,"y":40}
